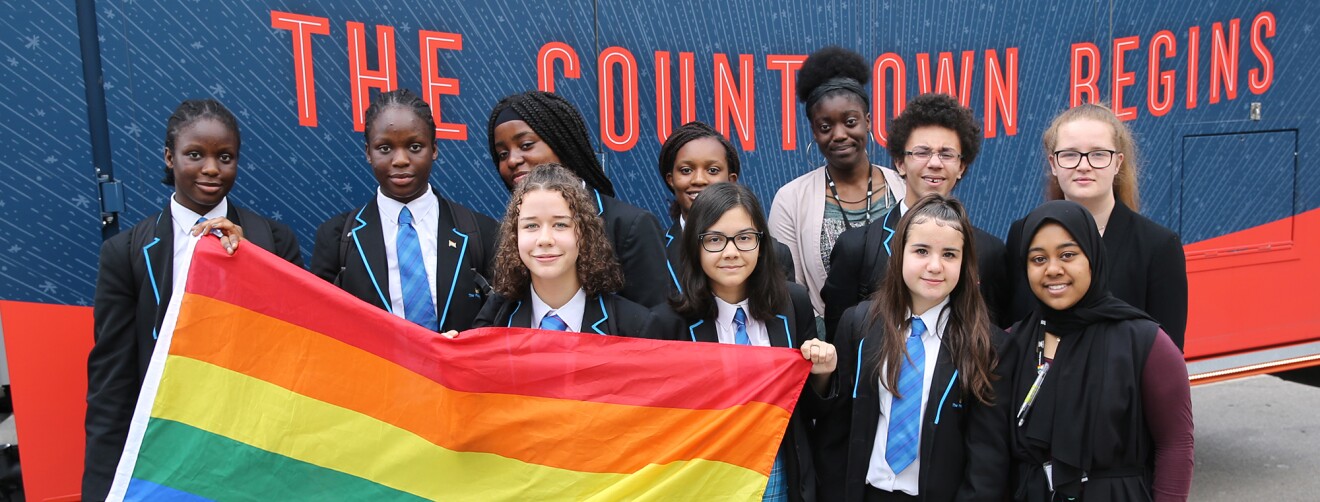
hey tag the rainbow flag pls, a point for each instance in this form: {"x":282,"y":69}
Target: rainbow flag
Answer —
{"x":270,"y":384}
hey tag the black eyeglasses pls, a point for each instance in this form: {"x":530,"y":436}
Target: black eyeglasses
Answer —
{"x":924,"y":155}
{"x":1070,"y":159}
{"x":715,"y":242}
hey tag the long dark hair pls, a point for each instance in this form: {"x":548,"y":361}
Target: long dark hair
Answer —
{"x":559,"y":124}
{"x":967,"y":334}
{"x":685,"y":134}
{"x":767,"y":289}
{"x":597,"y":269}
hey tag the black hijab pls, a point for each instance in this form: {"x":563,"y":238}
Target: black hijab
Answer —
{"x":1088,"y":390}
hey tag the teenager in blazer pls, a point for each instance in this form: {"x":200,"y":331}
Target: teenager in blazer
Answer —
{"x":1093,"y":161}
{"x":932,"y":144}
{"x":734,"y":292}
{"x":810,"y":212}
{"x":916,"y":362}
{"x":137,"y":271}
{"x":535,"y":127}
{"x":693,"y":158}
{"x":554,"y":267}
{"x":368,"y":251}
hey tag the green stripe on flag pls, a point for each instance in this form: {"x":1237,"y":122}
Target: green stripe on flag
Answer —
{"x":193,"y":460}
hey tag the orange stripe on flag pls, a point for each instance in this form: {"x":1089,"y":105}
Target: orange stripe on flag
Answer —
{"x":587,"y":436}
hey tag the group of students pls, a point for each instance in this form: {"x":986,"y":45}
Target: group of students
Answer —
{"x":875,"y":275}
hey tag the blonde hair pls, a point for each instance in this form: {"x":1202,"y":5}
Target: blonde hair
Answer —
{"x":1126,"y":189}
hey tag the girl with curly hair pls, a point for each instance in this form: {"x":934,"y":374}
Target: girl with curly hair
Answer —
{"x":555,"y":269}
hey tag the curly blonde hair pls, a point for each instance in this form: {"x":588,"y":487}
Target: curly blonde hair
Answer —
{"x":597,"y":268}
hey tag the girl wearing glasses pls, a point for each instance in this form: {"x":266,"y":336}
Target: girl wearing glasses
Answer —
{"x":1093,"y":162}
{"x":734,"y":292}
{"x":916,"y":363}
{"x":555,"y":268}
{"x":849,"y":191}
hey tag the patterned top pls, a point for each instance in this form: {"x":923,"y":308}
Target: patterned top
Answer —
{"x":833,"y":225}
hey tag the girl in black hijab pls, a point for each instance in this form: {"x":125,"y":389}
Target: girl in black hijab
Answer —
{"x":1099,"y":402}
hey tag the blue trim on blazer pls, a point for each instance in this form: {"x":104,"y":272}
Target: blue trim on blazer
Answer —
{"x":674,"y":276}
{"x":151,"y":275}
{"x":787,"y":332}
{"x":603,"y":312}
{"x":362,"y":254}
{"x":600,"y":204}
{"x":946,"y":396}
{"x":516,"y":306}
{"x":857,"y":378}
{"x":885,"y":225}
{"x":454,"y":281}
{"x":692,"y":330}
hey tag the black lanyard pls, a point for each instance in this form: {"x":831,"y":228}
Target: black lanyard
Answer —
{"x":834,"y":192}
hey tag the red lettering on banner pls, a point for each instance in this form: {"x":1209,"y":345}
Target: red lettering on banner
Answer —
{"x":737,"y":101}
{"x":1224,"y":60}
{"x":1160,"y":83}
{"x":788,"y":67}
{"x":664,"y":108}
{"x":433,"y":85}
{"x":1259,"y":80}
{"x":304,"y":72}
{"x":362,"y":79}
{"x":687,"y":81}
{"x":1193,"y":63}
{"x":945,"y":76}
{"x":887,"y":64}
{"x":1121,"y":78}
{"x":1085,"y":73}
{"x":545,"y":64}
{"x":1001,"y":91}
{"x":610,"y":58}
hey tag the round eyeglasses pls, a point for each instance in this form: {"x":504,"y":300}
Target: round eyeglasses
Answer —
{"x":1097,"y":159}
{"x":715,"y":242}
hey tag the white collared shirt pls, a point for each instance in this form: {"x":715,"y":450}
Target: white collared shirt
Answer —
{"x":571,"y":313}
{"x":426,"y":219}
{"x":902,"y":208}
{"x":184,"y":220}
{"x":724,"y":327}
{"x":879,"y":474}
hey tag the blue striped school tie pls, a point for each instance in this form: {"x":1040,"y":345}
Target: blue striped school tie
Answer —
{"x":740,"y":328}
{"x":905,"y":413}
{"x":552,"y":322}
{"x":418,"y":306}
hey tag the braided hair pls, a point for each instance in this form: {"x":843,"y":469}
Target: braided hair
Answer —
{"x":831,"y":71}
{"x":685,"y":134}
{"x":562,"y":128}
{"x":191,"y":111}
{"x":402,"y":98}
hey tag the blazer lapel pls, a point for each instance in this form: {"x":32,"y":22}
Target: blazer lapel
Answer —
{"x":780,"y":334}
{"x":158,"y":253}
{"x":596,"y":316}
{"x":890,"y":223}
{"x":451,"y":248}
{"x":941,"y":389}
{"x":365,"y":229}
{"x":703,"y":331}
{"x":673,"y":248}
{"x":521,"y":317}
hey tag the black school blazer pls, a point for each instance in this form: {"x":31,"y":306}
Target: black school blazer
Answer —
{"x":847,"y":430}
{"x":133,"y":287}
{"x":364,"y":272}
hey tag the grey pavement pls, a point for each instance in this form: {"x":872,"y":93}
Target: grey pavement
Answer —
{"x":1256,"y":439}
